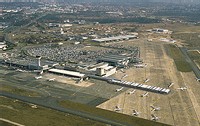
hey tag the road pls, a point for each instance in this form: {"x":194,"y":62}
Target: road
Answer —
{"x":51,"y":103}
{"x":11,"y":122}
{"x":192,"y":64}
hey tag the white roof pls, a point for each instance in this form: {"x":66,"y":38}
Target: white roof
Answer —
{"x":66,"y":72}
{"x":114,"y":38}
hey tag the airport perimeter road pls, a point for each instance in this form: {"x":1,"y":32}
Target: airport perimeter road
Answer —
{"x":51,"y":103}
{"x":192,"y":64}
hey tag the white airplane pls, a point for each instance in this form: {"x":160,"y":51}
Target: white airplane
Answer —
{"x":122,"y":70}
{"x":19,"y":70}
{"x":34,"y":106}
{"x":146,"y":80}
{"x":39,"y":77}
{"x":155,"y":108}
{"x":79,"y":81}
{"x":41,"y":72}
{"x":124,"y":76}
{"x":182,"y":88}
{"x":136,"y":113}
{"x":154,"y":117}
{"x":117,"y":108}
{"x":52,"y":79}
{"x":38,"y":71}
{"x":171,"y":84}
{"x":145,"y":94}
{"x":131,"y":92}
{"x":119,"y":89}
{"x":198,"y":79}
{"x":140,"y":65}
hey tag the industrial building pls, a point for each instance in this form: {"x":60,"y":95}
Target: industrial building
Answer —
{"x":160,"y":30}
{"x":106,"y":71}
{"x":102,"y":69}
{"x":34,"y":64}
{"x":116,"y":38}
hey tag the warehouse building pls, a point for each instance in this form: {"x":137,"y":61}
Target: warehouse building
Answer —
{"x":160,"y":30}
{"x":116,"y":38}
{"x":67,"y":73}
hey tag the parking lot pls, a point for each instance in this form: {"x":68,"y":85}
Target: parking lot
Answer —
{"x":75,"y":53}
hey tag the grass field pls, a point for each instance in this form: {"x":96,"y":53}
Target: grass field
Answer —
{"x":24,"y":114}
{"x":195,"y":56}
{"x":191,"y":39}
{"x":181,"y":64}
{"x":125,"y":119}
{"x":5,"y":124}
{"x":18,"y":91}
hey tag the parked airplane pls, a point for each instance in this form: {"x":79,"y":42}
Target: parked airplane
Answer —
{"x":155,"y":108}
{"x":145,"y":94}
{"x":131,"y":92}
{"x":41,"y":72}
{"x":34,"y":106}
{"x":20,"y":70}
{"x":52,"y":79}
{"x":38,"y":71}
{"x":182,"y":88}
{"x":140,"y":65}
{"x":171,"y":84}
{"x":198,"y":79}
{"x":79,"y":81}
{"x":39,"y":77}
{"x":146,"y":80}
{"x":117,"y":108}
{"x":154,"y":117}
{"x":124,"y":76}
{"x":122,"y":70}
{"x":136,"y":113}
{"x":119,"y":89}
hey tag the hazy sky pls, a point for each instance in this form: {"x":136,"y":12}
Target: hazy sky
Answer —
{"x":168,"y":1}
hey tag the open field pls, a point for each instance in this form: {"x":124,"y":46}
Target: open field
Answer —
{"x":191,"y":39}
{"x":24,"y":114}
{"x":179,"y":107}
{"x":178,"y":57}
{"x":19,"y":91}
{"x":195,"y":56}
{"x":128,"y":120}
